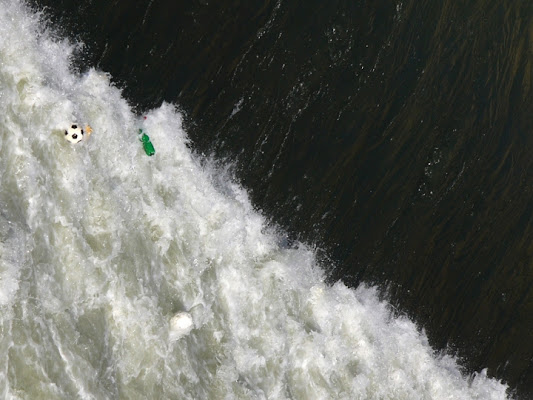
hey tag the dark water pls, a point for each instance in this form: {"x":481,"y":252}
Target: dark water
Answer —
{"x":396,"y":136}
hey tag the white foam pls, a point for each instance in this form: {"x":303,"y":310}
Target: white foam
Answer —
{"x":181,"y":324}
{"x":109,"y":243}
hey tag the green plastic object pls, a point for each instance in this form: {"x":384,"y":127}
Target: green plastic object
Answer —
{"x":148,"y":146}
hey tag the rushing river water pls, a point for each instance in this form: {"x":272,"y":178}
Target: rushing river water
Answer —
{"x":325,"y":176}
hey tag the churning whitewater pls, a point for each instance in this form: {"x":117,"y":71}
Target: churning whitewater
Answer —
{"x":103,"y":249}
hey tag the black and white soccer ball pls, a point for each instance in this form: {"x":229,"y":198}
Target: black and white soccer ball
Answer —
{"x":74,"y":134}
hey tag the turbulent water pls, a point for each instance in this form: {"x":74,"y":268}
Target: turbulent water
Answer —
{"x":100,"y":246}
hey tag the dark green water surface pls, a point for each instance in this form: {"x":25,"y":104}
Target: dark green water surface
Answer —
{"x":395,"y":135}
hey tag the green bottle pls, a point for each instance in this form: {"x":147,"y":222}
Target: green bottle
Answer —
{"x":148,"y":146}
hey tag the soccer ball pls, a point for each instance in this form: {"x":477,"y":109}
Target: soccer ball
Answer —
{"x":74,"y":134}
